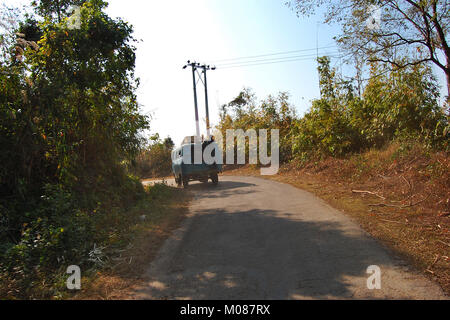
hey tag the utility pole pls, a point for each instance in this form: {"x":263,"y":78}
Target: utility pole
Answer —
{"x":317,"y":54}
{"x":205,"y":67}
{"x":195,"y":66}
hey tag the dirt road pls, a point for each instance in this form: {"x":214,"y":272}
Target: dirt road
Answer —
{"x":251,"y":238}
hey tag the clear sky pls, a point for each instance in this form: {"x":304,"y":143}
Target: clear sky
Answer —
{"x":175,"y":31}
{"x":209,"y":30}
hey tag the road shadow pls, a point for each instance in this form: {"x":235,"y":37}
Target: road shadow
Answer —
{"x":223,"y":189}
{"x":256,"y":254}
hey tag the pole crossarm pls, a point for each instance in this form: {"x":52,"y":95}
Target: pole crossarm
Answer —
{"x":195,"y":66}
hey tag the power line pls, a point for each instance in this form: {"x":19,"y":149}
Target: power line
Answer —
{"x":270,"y":62}
{"x":272,"y":54}
{"x":273,"y":62}
{"x":273,"y":59}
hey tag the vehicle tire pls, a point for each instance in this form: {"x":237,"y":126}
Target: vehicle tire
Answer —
{"x":185,"y":182}
{"x":215,"y":179}
{"x":178,"y":181}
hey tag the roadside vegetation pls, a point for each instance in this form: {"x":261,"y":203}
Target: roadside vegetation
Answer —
{"x":70,"y":131}
{"x":401,"y":105}
{"x":133,"y":244}
{"x":155,"y":159}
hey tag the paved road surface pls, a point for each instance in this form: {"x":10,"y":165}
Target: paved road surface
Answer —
{"x":251,"y":238}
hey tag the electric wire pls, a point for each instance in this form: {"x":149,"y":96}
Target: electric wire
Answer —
{"x":274,"y":59}
{"x":272,"y":54}
{"x":269,"y":62}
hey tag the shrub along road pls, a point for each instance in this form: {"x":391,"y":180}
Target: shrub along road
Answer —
{"x":251,"y":238}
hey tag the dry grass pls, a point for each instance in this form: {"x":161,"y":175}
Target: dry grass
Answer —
{"x":413,"y":219}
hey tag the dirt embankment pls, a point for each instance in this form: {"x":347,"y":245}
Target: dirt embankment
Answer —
{"x":400,"y":195}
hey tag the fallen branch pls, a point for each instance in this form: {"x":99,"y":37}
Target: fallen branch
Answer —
{"x":407,"y":223}
{"x":432,"y":264}
{"x":369,"y":192}
{"x":409,"y":184}
{"x":418,"y":202}
{"x":410,"y":191}
{"x":393,"y":221}
{"x":385,"y":205}
{"x":443,"y":242}
{"x":400,"y":207}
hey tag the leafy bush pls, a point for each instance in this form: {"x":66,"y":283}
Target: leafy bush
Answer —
{"x":156,"y":159}
{"x":272,"y":113}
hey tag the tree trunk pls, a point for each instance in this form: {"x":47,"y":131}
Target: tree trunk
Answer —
{"x":58,"y":11}
{"x":447,"y":73}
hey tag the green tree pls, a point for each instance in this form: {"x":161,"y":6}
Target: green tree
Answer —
{"x":155,"y":160}
{"x":69,"y":120}
{"x":274,"y":112}
{"x":168,"y":143}
{"x":398,"y":103}
{"x":55,"y":9}
{"x":398,"y":33}
{"x":402,"y":101}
